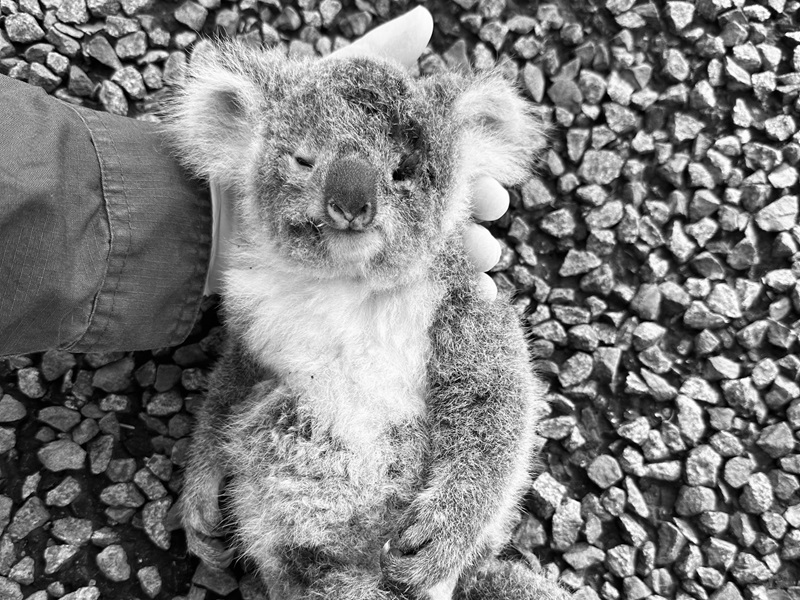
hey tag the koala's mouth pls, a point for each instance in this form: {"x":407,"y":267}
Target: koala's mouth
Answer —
{"x":351,"y":247}
{"x":346,"y":248}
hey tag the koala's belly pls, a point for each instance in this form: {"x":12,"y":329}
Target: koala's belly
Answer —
{"x":294,"y":485}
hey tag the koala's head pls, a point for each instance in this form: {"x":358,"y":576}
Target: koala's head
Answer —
{"x":347,"y":167}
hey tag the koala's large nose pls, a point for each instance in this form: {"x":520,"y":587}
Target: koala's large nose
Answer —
{"x":351,"y":193}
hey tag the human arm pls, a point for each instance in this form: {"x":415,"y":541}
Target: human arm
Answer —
{"x":104,"y":240}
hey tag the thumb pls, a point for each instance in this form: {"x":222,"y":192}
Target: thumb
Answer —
{"x":402,"y":39}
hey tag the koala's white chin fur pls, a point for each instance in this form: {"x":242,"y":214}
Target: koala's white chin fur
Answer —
{"x":353,"y":249}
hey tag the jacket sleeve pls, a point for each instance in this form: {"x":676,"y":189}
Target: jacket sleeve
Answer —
{"x":104,"y":240}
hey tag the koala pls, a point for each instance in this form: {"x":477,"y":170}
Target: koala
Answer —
{"x":371,"y":425}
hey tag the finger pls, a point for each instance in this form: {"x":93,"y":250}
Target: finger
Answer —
{"x":486,"y":287}
{"x":402,"y":39}
{"x":224,"y":224}
{"x":482,"y":249}
{"x":489,"y":199}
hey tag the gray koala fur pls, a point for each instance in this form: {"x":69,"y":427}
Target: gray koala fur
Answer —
{"x":368,"y":393}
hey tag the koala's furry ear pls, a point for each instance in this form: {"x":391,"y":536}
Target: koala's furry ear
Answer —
{"x":501,"y":135}
{"x":213,"y":115}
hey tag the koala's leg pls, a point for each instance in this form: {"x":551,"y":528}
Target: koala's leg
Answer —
{"x":483,"y":407}
{"x":509,"y":580}
{"x":206,"y":465}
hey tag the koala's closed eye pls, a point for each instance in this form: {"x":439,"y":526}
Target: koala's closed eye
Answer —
{"x":407,"y":167}
{"x":304,"y":161}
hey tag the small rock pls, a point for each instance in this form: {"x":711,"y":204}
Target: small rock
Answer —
{"x":619,"y":119}
{"x":62,"y":455}
{"x":777,"y":440}
{"x":780,"y":128}
{"x":604,"y":471}
{"x":55,"y":557}
{"x":582,"y":556}
{"x":132,"y":46}
{"x":533,"y":78}
{"x":671,"y":541}
{"x":675,"y":65}
{"x":780,"y":215}
{"x":84,"y":593}
{"x":122,"y":495}
{"x":22,"y":572}
{"x":150,"y":581}
{"x":719,"y":553}
{"x":43,"y":77}
{"x":738,"y":470}
{"x":757,"y":495}
{"x":559,"y":223}
{"x":566,"y":525}
{"x":695,"y":500}
{"x":621,"y":560}
{"x":691,"y":421}
{"x":743,"y":396}
{"x":55,"y":363}
{"x":59,"y":417}
{"x":72,"y":11}
{"x":130,"y":80}
{"x":72,"y":530}
{"x":536,"y":194}
{"x":600,"y":166}
{"x":31,"y":515}
{"x":729,"y":591}
{"x":100,"y":453}
{"x":64,"y":493}
{"x":23,"y":28}
{"x":154,"y":515}
{"x":164,"y":404}
{"x":748,"y":569}
{"x":578,"y":262}
{"x":113,"y":562}
{"x":329,"y":9}
{"x":702,"y":466}
{"x":118,"y":375}
{"x":80,"y":85}
{"x":686,"y":127}
{"x":566,"y":94}
{"x":113,"y":100}
{"x":192,"y":15}
{"x":635,"y":589}
{"x":100,"y":49}
{"x":29,"y":382}
{"x":11,"y":410}
{"x":546,"y":495}
{"x":680,"y":14}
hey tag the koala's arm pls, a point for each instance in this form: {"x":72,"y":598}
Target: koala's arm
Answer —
{"x":232,"y":381}
{"x":483,"y":406}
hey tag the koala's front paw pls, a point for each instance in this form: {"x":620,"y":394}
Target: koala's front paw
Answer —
{"x":418,"y":573}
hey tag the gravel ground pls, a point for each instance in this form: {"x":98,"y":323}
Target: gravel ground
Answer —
{"x":655,"y":258}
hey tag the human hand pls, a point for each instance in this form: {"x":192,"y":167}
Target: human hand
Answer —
{"x":402,"y":40}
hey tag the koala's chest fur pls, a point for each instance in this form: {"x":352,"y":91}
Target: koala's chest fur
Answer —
{"x":354,"y":358}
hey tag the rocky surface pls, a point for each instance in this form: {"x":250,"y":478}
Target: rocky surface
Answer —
{"x":654,"y":258}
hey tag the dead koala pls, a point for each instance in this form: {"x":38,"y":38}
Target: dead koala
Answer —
{"x":374,"y":417}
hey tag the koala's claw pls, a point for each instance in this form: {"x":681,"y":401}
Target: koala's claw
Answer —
{"x":210,"y":550}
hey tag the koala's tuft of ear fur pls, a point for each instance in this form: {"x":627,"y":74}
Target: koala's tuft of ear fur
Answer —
{"x":501,"y":135}
{"x":214,"y":113}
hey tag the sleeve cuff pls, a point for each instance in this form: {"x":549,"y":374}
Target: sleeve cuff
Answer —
{"x":160,"y":240}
